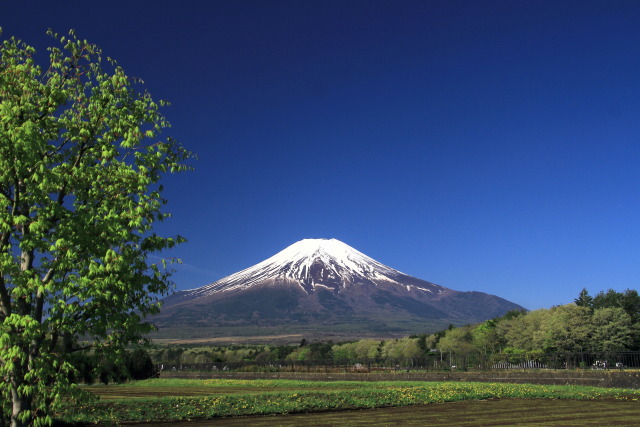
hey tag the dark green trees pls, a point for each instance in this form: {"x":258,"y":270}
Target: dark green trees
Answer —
{"x":584,"y":299}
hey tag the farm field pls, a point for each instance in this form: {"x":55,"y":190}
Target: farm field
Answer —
{"x":162,"y":400}
{"x":506,"y":412}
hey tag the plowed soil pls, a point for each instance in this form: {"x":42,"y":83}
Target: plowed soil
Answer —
{"x":507,"y":412}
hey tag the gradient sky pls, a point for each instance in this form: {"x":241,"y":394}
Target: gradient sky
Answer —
{"x":480,"y":145}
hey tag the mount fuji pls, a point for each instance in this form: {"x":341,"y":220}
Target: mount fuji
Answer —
{"x":327,"y":287}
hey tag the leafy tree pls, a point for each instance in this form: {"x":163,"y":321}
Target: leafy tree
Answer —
{"x":526,"y":331}
{"x":422,"y":342}
{"x":300,"y":353}
{"x":139,"y":364}
{"x":512,"y":314}
{"x":629,"y":301}
{"x":174,"y":354}
{"x":611,"y":298}
{"x":312,"y":351}
{"x":457,"y":340}
{"x":321,"y":350}
{"x":569,"y":329}
{"x":432,"y":340}
{"x":280,"y":352}
{"x":631,"y":304}
{"x":613,"y":329}
{"x":265,"y":356}
{"x":367,"y":349}
{"x":80,"y":164}
{"x":402,"y":348}
{"x":344,"y":351}
{"x":487,"y":338}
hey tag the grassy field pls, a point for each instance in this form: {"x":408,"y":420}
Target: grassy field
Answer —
{"x":164,"y":400}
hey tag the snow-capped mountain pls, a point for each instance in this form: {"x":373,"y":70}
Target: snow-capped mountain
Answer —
{"x":318,"y":283}
{"x":312,"y":264}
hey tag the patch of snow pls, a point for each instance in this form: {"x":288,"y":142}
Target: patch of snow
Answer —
{"x":320,"y":285}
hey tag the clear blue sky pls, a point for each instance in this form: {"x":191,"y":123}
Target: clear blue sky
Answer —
{"x":481,"y":145}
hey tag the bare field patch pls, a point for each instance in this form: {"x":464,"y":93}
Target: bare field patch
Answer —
{"x":231,"y":339}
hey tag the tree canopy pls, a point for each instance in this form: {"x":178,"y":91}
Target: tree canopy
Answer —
{"x":606,"y":322}
{"x":80,"y":165}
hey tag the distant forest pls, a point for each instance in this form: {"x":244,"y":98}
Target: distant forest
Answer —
{"x":607,"y":322}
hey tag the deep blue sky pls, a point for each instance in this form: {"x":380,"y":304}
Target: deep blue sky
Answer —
{"x":481,"y":145}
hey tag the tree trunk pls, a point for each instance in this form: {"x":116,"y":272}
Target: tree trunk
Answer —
{"x":20,"y":403}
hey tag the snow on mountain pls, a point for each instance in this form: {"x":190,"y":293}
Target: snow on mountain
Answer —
{"x":311,"y":264}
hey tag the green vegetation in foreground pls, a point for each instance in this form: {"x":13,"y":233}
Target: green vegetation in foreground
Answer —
{"x":262,"y":397}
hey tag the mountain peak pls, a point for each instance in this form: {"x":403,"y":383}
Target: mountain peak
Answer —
{"x":327,"y":282}
{"x":308,"y":264}
{"x":309,"y":248}
{"x":311,"y":245}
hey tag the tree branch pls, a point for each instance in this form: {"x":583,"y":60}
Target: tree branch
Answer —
{"x":39,"y":302}
{"x":5,"y":300}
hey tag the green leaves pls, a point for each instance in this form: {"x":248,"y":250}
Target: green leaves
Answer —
{"x":79,"y":167}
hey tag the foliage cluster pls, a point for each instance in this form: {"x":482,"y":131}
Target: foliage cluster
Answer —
{"x":227,"y":354}
{"x":91,"y":368}
{"x":402,"y":348}
{"x":610,"y":321}
{"x":80,"y":165}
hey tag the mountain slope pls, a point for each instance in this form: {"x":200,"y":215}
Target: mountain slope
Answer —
{"x":320,"y":283}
